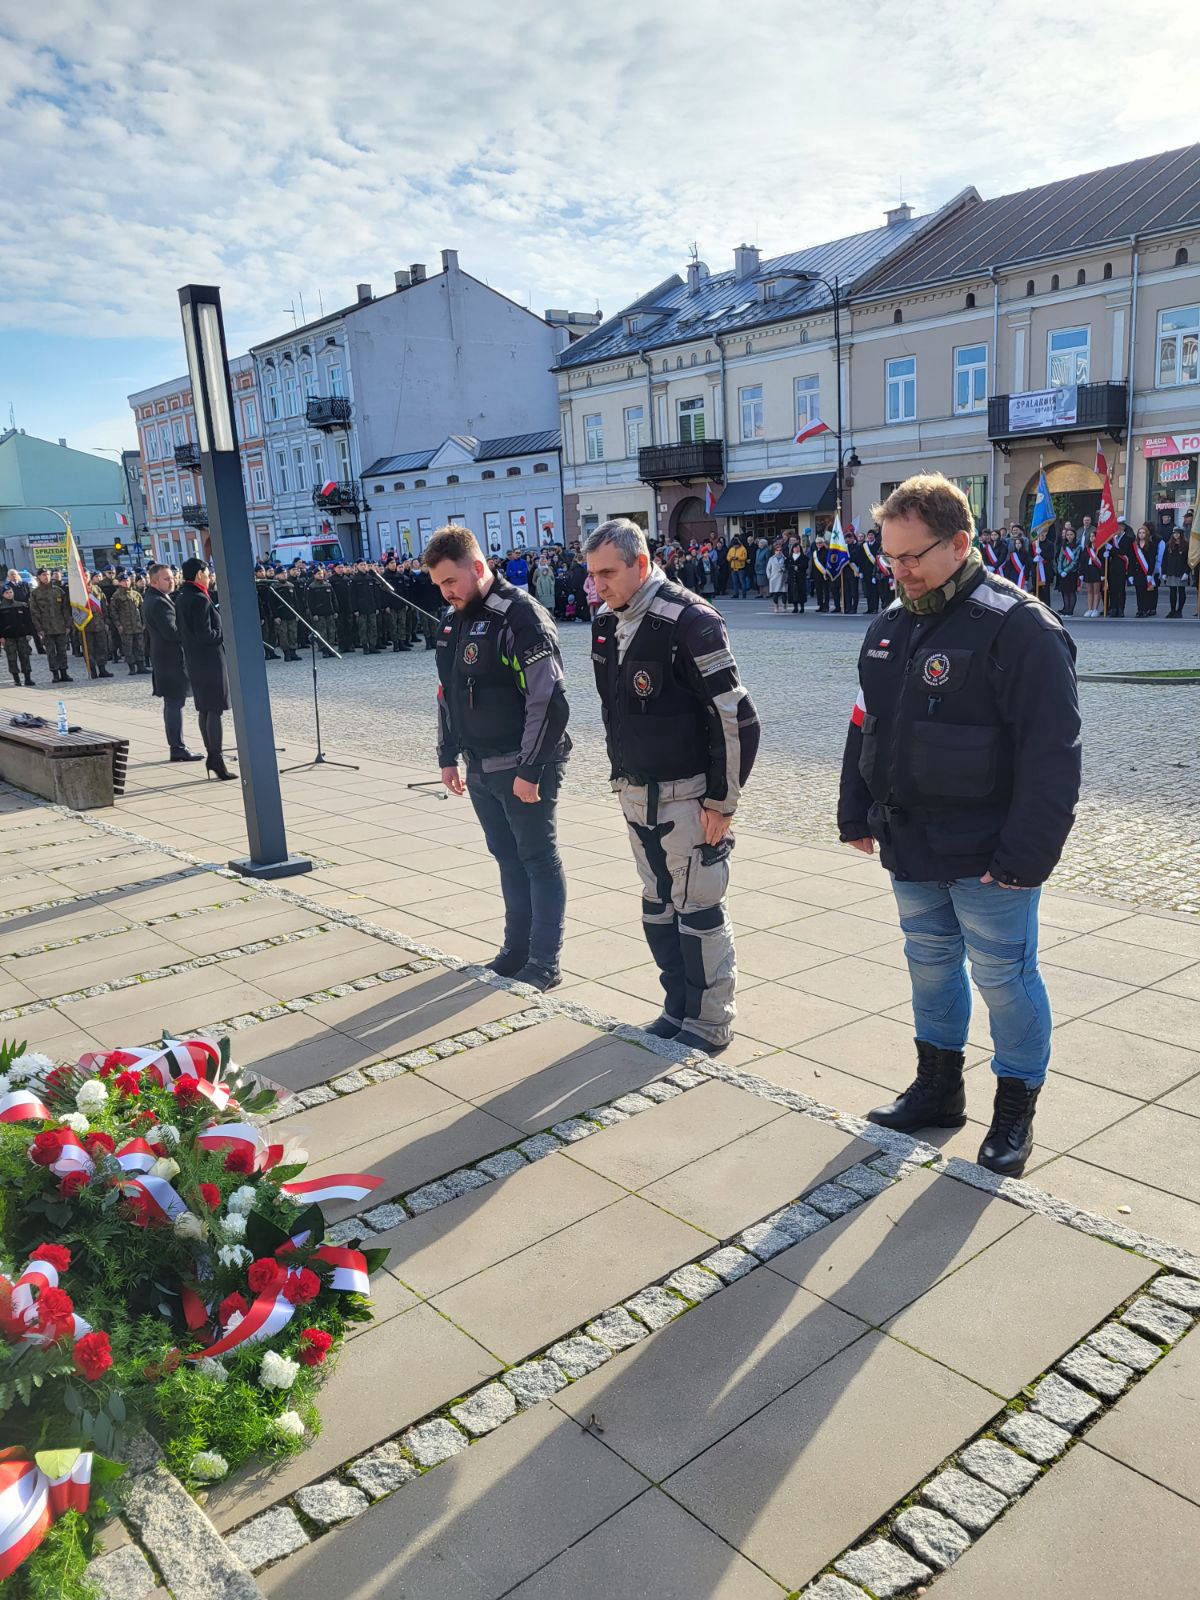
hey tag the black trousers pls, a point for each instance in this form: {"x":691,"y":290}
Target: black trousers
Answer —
{"x":173,"y":724}
{"x":210,"y":731}
{"x":522,"y":839}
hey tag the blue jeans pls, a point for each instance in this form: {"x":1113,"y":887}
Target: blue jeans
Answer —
{"x":523,"y":842}
{"x":997,"y":928}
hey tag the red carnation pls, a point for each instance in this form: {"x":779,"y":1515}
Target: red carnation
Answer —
{"x":93,"y":1355}
{"x":72,"y":1183}
{"x":314,"y":1346}
{"x":100,"y":1141}
{"x":211,"y":1195}
{"x":113,"y":1060}
{"x":57,"y":1255}
{"x":47,"y":1147}
{"x":240,"y":1161}
{"x":186,"y":1091}
{"x":232,"y":1303}
{"x":57,"y":1076}
{"x":302,"y":1287}
{"x":136,"y":1209}
{"x":264,"y":1273}
{"x":55,"y":1307}
{"x":145,"y":1118}
{"x":129,"y":1083}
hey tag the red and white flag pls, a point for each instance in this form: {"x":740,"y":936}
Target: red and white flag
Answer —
{"x":858,"y":714}
{"x":710,"y":499}
{"x":1107,"y":526}
{"x":329,"y":486}
{"x":811,"y":430}
{"x":122,"y":519}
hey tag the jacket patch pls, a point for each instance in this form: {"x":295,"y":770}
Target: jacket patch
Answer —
{"x":470,"y":654}
{"x":879,"y":655}
{"x":936,"y":671}
{"x":479,"y":627}
{"x":643,"y":684}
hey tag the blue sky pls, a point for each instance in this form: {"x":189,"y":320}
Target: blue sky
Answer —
{"x":569,"y":158}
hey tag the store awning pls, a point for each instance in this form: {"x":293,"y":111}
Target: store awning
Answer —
{"x":803,"y":491}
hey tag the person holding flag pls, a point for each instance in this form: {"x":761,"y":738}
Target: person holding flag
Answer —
{"x":87,"y":612}
{"x":819,"y":562}
{"x":839,"y":556}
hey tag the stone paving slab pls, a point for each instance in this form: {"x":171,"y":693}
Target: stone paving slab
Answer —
{"x":997,"y":1320}
{"x":392,"y":1374}
{"x":554,"y":1087}
{"x":1091,"y":1530}
{"x":1155,"y":1430}
{"x":670,"y":1397}
{"x":652,"y":1547}
{"x":845,"y":1444}
{"x":410,"y":1012}
{"x":479,"y":1524}
{"x":893,"y":1249}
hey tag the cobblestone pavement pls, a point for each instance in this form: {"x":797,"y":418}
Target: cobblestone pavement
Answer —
{"x":1137,"y":837}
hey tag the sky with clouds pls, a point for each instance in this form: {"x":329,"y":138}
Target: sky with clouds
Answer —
{"x":571,"y":155}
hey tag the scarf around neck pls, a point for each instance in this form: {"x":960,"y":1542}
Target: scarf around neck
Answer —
{"x":938,"y":599}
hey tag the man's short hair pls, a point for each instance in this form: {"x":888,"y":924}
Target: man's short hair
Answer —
{"x":930,"y":496}
{"x":156,"y":566}
{"x":191,"y":568}
{"x":624,"y":534}
{"x":451,"y":543}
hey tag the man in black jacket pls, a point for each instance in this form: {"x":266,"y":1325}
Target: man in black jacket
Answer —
{"x":502,"y":704}
{"x":321,"y":605}
{"x":963,"y":762}
{"x":682,"y":734}
{"x":16,"y":629}
{"x":169,"y":679}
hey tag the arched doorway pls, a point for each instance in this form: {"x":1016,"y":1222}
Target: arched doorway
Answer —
{"x":690,"y":523}
{"x":1074,"y":488}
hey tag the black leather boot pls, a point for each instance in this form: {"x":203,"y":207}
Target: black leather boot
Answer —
{"x":936,"y":1098}
{"x":1010,"y":1137}
{"x":506,"y":963}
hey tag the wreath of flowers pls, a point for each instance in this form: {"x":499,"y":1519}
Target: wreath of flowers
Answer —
{"x":174,"y":1274}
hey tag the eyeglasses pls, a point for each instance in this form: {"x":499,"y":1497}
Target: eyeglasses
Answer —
{"x":907,"y":563}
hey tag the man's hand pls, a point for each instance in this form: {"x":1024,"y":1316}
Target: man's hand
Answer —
{"x":526,"y":791}
{"x":867,"y":846}
{"x":987,"y":878}
{"x":452,"y":778}
{"x":715,"y":824}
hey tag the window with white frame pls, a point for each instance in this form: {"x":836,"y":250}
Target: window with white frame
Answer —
{"x":250,"y":418}
{"x":281,"y":471}
{"x":309,"y":379}
{"x":750,"y":405}
{"x":593,"y":437}
{"x":260,"y":484}
{"x":318,"y":462}
{"x":901,"y":389}
{"x":290,"y":404}
{"x":343,"y":449}
{"x":160,"y":500}
{"x":1067,"y":356}
{"x":690,"y":413}
{"x":808,"y":401}
{"x":1178,"y":334}
{"x":180,"y":431}
{"x":335,"y":379}
{"x":635,"y":429}
{"x":970,"y":378}
{"x":151,"y":438}
{"x":298,"y":462}
{"x":174,"y":497}
{"x":273,"y":401}
{"x":189,"y":494}
{"x":165,"y":437}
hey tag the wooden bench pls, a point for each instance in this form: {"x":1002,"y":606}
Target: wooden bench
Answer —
{"x":82,"y":770}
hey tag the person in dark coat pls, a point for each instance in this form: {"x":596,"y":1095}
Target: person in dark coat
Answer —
{"x":168,"y":680}
{"x":204,"y":656}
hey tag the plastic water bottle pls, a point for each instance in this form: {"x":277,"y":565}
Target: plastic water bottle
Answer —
{"x":62,"y":717}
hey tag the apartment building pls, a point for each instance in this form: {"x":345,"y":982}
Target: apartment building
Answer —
{"x":984,"y":340}
{"x":176,"y":515}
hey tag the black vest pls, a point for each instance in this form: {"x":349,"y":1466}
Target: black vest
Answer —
{"x":482,"y":682}
{"x":657,"y":730}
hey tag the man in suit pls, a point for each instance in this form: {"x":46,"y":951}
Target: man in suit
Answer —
{"x":169,"y":680}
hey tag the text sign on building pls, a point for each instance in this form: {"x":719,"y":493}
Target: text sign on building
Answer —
{"x":1179,"y":444}
{"x":49,"y":555}
{"x":1175,"y":471}
{"x":1042,"y":409}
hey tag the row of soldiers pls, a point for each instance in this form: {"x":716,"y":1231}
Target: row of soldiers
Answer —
{"x":41,"y":615}
{"x":362,"y":605}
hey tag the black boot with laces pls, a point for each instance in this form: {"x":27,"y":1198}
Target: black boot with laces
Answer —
{"x":1010,"y":1137}
{"x":936,"y":1098}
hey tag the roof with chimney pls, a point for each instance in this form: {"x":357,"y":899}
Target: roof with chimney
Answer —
{"x":679,"y":310}
{"x":518,"y":444}
{"x":1156,"y":194}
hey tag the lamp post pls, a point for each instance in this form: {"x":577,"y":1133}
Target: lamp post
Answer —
{"x":212,"y":397}
{"x":835,"y":290}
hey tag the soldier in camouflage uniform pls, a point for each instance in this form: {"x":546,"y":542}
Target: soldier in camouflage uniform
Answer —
{"x":125,"y":614}
{"x":285,"y":622}
{"x":51,"y":613}
{"x":94,"y":636}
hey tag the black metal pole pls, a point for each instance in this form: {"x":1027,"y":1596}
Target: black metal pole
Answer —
{"x":229,"y":529}
{"x":837,"y":342}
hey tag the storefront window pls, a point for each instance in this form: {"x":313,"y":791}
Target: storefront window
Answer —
{"x":1171,"y":490}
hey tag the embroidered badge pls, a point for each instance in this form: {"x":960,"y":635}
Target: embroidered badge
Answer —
{"x":936,"y":671}
{"x":470,"y":654}
{"x":479,"y":627}
{"x":643,"y":684}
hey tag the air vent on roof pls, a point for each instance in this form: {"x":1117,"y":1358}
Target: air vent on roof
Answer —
{"x":901,"y":213}
{"x":364,"y":293}
{"x":745,"y":261}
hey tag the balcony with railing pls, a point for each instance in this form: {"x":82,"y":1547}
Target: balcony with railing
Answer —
{"x":338,"y":497}
{"x":327,"y":411}
{"x":1055,"y":413}
{"x":195,"y":516}
{"x":702,"y":458}
{"x":188,"y":455}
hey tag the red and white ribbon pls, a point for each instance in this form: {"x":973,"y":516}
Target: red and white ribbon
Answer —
{"x":858,"y":712}
{"x":21,"y":1106}
{"x":37,"y":1276}
{"x":163,"y":1202}
{"x":30,"y":1502}
{"x":338,"y":1186}
{"x":349,"y":1268}
{"x":272,"y":1310}
{"x":73,"y":1157}
{"x":163,"y":1064}
{"x":136,"y":1156}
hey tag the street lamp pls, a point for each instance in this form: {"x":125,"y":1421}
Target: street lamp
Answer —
{"x":835,"y":290}
{"x":212,"y":397}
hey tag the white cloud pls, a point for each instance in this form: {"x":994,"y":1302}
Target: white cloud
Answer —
{"x":278,"y":150}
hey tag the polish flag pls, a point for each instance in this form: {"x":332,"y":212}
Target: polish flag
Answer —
{"x":1107,"y":526}
{"x":329,"y":486}
{"x":811,"y":431}
{"x":858,"y":714}
{"x":122,"y":519}
{"x":710,"y":499}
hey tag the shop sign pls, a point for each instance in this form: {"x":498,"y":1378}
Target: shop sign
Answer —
{"x":1043,"y":409}
{"x":1176,"y":470}
{"x":49,"y":555}
{"x":1169,"y":444}
{"x":771,"y":492}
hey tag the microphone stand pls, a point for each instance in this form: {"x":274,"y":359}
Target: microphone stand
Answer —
{"x":424,"y":783}
{"x":320,"y":759}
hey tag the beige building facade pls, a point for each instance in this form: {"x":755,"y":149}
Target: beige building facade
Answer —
{"x":985,"y":341}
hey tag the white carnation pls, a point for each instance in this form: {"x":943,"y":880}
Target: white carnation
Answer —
{"x":234,"y":1225}
{"x":208,"y":1465}
{"x":242,"y":1199}
{"x":92,"y":1096}
{"x":234,"y":1255}
{"x":76,"y":1122}
{"x":188,"y":1225}
{"x":277,"y":1372}
{"x":164,"y":1167}
{"x":289,"y":1424}
{"x":212,"y":1368}
{"x":168,"y":1133}
{"x":32,"y":1064}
